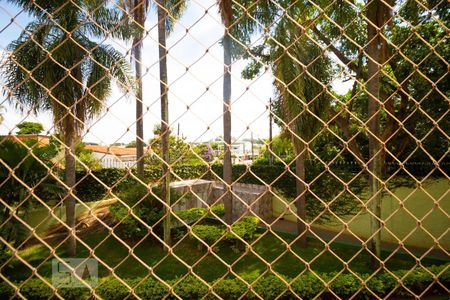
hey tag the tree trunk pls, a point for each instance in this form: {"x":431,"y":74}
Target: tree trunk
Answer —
{"x":300,"y":202}
{"x":227,"y":167}
{"x":69,"y":155}
{"x":165,"y":130}
{"x":376,"y":19}
{"x":270,"y":133}
{"x":137,"y":51}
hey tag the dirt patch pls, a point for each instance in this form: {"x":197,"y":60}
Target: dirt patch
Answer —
{"x":93,"y":220}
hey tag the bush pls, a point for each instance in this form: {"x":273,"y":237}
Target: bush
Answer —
{"x":36,"y":289}
{"x":345,"y":285}
{"x":230,"y":288}
{"x":192,"y":215}
{"x":208,"y":233}
{"x":74,"y":293}
{"x":145,"y":206}
{"x":307,"y":286}
{"x":151,"y":289}
{"x":218,"y":209}
{"x":244,"y":228}
{"x":112,"y":289}
{"x":270,"y":286}
{"x":6,"y":291}
{"x":190,"y":288}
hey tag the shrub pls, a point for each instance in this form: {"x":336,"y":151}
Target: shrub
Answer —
{"x":151,"y":289}
{"x":230,"y":288}
{"x":36,"y":289}
{"x":244,"y":228}
{"x":307,"y":286}
{"x":146,"y":207}
{"x":112,"y":289}
{"x":6,"y":291}
{"x":270,"y":287}
{"x":73,"y":293}
{"x":208,"y":233}
{"x":345,"y":285}
{"x":191,"y":215}
{"x":218,"y":209}
{"x":190,"y":288}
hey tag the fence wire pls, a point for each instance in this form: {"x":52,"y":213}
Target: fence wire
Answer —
{"x":348,"y":199}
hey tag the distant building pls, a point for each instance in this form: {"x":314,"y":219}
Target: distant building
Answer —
{"x":114,"y":157}
{"x":42,"y":140}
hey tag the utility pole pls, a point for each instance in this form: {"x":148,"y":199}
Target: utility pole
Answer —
{"x":253,"y":152}
{"x":270,"y":133}
{"x":178,"y":131}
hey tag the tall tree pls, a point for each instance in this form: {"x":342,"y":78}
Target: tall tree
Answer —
{"x":393,"y":74}
{"x":168,"y":11}
{"x":226,"y":12}
{"x":55,"y":66}
{"x":137,"y":11}
{"x":301,"y":71}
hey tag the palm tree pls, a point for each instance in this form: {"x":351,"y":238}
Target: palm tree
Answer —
{"x":168,"y":11}
{"x":137,"y":10}
{"x":1,"y":114}
{"x":226,"y":12}
{"x":303,"y":102}
{"x":55,"y":66}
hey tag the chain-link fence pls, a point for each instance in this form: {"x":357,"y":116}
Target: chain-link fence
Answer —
{"x":224,"y":149}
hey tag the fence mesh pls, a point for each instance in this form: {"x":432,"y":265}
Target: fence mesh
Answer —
{"x":276,"y":149}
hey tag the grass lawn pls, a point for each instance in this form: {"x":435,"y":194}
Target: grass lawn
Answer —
{"x":402,"y":221}
{"x":269,"y":248}
{"x":41,"y":219}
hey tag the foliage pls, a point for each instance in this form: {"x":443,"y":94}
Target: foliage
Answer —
{"x":30,"y":165}
{"x":208,"y":233}
{"x":131,"y":144}
{"x":146,"y":206}
{"x":192,"y":215}
{"x":270,"y":286}
{"x":29,"y":128}
{"x":191,"y":288}
{"x":231,"y":289}
{"x":85,"y":158}
{"x":180,"y":152}
{"x":282,"y":148}
{"x":307,"y":286}
{"x":111,"y":288}
{"x":245,"y":228}
{"x":151,"y":289}
{"x":36,"y":289}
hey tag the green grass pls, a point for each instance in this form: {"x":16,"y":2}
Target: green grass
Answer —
{"x":269,"y":248}
{"x":41,"y":219}
{"x":401,"y":221}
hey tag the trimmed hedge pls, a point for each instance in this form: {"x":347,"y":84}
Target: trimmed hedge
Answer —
{"x":269,"y":286}
{"x":244,"y":229}
{"x":192,"y":215}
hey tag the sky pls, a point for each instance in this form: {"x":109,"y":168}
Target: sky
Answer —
{"x":195,"y":95}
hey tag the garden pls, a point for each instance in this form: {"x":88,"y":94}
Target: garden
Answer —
{"x":324,"y":175}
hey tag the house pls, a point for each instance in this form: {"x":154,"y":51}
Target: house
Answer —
{"x":113,"y":156}
{"x":42,"y":140}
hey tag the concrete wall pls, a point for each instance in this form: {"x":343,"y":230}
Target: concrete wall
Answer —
{"x":401,"y":222}
{"x":199,"y":193}
{"x":247,"y":198}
